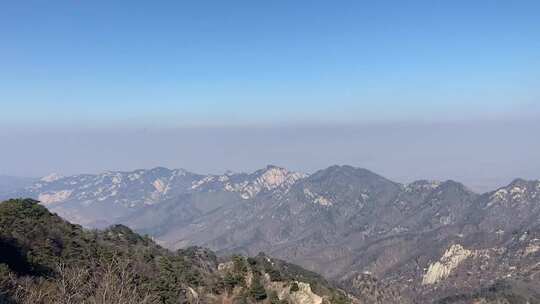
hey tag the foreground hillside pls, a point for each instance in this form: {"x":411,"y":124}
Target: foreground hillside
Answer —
{"x":44,"y":259}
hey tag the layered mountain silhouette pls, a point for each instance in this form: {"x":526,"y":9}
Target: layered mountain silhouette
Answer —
{"x":428,"y":240}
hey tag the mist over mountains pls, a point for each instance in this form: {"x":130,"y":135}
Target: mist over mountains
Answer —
{"x":428,"y":239}
{"x":483,"y":155}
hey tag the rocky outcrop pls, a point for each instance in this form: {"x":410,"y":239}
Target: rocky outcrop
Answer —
{"x":450,"y":260}
{"x":304,"y":294}
{"x":48,"y":198}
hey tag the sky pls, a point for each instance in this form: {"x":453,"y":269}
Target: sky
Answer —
{"x":108,"y":71}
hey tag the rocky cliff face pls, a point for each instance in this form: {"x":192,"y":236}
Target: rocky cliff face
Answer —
{"x":442,"y":269}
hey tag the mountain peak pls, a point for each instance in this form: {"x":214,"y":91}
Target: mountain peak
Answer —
{"x":160,"y":168}
{"x":51,"y":177}
{"x":350,"y":169}
{"x":451,"y":184}
{"x":518,"y":191}
{"x":519,"y":182}
{"x":346,"y":172}
{"x":228,"y":173}
{"x":423,"y":184}
{"x":270,"y":166}
{"x":522,"y":185}
{"x":349,"y":183}
{"x":249,"y":185}
{"x":273,"y":177}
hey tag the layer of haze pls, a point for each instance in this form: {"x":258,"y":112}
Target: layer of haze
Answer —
{"x":481,"y":155}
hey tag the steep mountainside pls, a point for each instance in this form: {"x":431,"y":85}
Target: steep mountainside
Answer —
{"x":44,"y":259}
{"x":427,"y":240}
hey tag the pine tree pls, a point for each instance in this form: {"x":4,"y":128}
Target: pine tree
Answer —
{"x":257,"y":290}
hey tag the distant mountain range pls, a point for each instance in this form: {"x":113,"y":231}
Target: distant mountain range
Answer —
{"x":432,"y":240}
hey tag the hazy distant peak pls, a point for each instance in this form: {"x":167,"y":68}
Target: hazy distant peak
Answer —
{"x":521,"y":182}
{"x":345,"y":174}
{"x":451,"y":184}
{"x":228,"y":173}
{"x":346,"y":169}
{"x":270,"y":167}
{"x":521,"y":185}
{"x":422,"y":184}
{"x":160,"y":169}
{"x":426,"y":182}
{"x":519,"y":191}
{"x":51,"y":177}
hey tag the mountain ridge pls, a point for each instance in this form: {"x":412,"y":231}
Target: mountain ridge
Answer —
{"x":340,"y":221}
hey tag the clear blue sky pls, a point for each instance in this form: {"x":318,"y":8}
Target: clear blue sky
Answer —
{"x":249,"y":62}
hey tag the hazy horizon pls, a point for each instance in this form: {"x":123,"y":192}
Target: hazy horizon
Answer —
{"x":482,"y":155}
